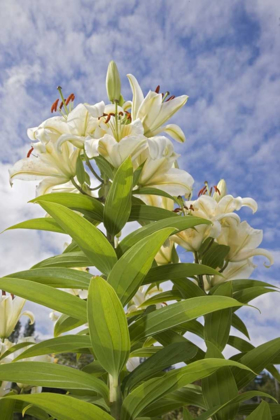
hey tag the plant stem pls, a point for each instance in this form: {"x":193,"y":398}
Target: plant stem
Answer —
{"x":200,"y":277}
{"x":78,"y":186}
{"x":91,"y":169}
{"x":115,"y":397}
{"x":116,"y":120}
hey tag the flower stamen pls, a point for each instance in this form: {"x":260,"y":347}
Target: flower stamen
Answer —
{"x":54,"y":106}
{"x":30,"y":151}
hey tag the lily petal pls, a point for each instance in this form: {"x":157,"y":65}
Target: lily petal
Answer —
{"x":137,"y":95}
{"x":96,"y":110}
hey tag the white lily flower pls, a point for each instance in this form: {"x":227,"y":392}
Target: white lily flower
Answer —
{"x":208,"y":208}
{"x":233,"y":271}
{"x":243,"y":241}
{"x":221,"y":190}
{"x":159,"y":172}
{"x":131,"y":142}
{"x":154,"y":113}
{"x":47,"y":165}
{"x":10,"y":312}
{"x":141,"y":296}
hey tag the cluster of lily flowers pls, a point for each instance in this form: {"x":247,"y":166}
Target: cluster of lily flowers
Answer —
{"x":138,"y":129}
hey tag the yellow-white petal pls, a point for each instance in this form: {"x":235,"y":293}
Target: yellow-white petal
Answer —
{"x":137,"y":95}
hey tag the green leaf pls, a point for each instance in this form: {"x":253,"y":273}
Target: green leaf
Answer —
{"x":262,"y":412}
{"x":154,"y":191}
{"x":118,"y":201}
{"x":90,"y":239}
{"x":66,"y":323}
{"x":155,"y":388}
{"x":80,"y":170}
{"x":15,"y":348}
{"x":42,"y":223}
{"x":63,"y":407}
{"x":257,"y":359}
{"x":108,"y":327}
{"x":52,"y":376}
{"x":249,"y":408}
{"x":84,"y":204}
{"x":237,"y":323}
{"x":177,"y":271}
{"x":177,"y":222}
{"x":166,"y":357}
{"x":215,"y":255}
{"x":46,"y":296}
{"x":107,"y":170}
{"x":145,"y":213}
{"x":65,"y":344}
{"x":220,"y":387}
{"x":169,"y":295}
{"x":240,"y":344}
{"x":187,"y":415}
{"x":178,"y":313}
{"x":251,"y":293}
{"x":7,"y":408}
{"x":56,"y":277}
{"x":217,"y":324}
{"x":188,"y":288}
{"x":66,"y":260}
{"x":130,"y":270}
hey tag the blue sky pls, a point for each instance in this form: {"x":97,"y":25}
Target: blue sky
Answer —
{"x":224,"y":54}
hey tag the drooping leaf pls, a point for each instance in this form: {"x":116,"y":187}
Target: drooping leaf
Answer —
{"x":46,"y":296}
{"x":154,"y":191}
{"x":15,"y":347}
{"x":148,"y":213}
{"x":66,"y":323}
{"x":52,"y":376}
{"x":108,"y":327}
{"x":118,"y":201}
{"x":63,"y":407}
{"x":65,"y":260}
{"x":130,"y":270}
{"x":262,"y":412}
{"x":41,"y":223}
{"x":237,"y":323}
{"x":90,"y":239}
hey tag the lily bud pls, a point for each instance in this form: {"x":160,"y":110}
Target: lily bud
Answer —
{"x":113,"y":82}
{"x":10,"y":312}
{"x":222,"y":190}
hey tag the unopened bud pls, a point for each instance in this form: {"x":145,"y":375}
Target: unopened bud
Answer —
{"x":113,"y":82}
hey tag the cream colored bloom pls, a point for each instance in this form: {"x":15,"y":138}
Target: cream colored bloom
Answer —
{"x":218,"y":213}
{"x":140,"y":298}
{"x":159,"y":171}
{"x":131,"y":142}
{"x":154,"y":113}
{"x":47,"y":165}
{"x":243,"y":241}
{"x":10,"y":312}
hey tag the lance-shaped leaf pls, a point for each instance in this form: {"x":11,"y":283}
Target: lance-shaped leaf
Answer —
{"x":130,"y":270}
{"x":177,"y":271}
{"x":7,"y":408}
{"x":16,"y":347}
{"x":246,"y":409}
{"x":90,"y":239}
{"x":155,"y":388}
{"x":65,"y":344}
{"x":56,"y":277}
{"x":177,"y":222}
{"x":63,"y":407}
{"x":217,"y":324}
{"x":163,"y":359}
{"x":237,"y":323}
{"x":40,"y":223}
{"x":154,"y":191}
{"x":66,"y":260}
{"x":220,"y":387}
{"x":52,"y":376}
{"x":84,"y":204}
{"x":143,"y":213}
{"x":262,"y":412}
{"x":118,"y":201}
{"x":66,"y":323}
{"x":178,"y":313}
{"x":257,"y":359}
{"x":47,"y":296}
{"x":108,"y":326}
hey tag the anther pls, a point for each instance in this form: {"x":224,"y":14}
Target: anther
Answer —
{"x":177,"y":210}
{"x":157,"y":89}
{"x":61,"y":105}
{"x":170,"y":99}
{"x":54,"y":106}
{"x":217,"y":189}
{"x":3,"y":293}
{"x":202,"y":191}
{"x":121,"y":113}
{"x":191,"y":207}
{"x":71,"y":97}
{"x":30,"y":151}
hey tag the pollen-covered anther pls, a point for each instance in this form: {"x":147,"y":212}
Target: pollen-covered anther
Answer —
{"x":170,"y":98}
{"x":177,"y":210}
{"x":191,"y":207}
{"x":54,"y":106}
{"x":70,"y":98}
{"x":157,"y":89}
{"x":128,"y":115}
{"x":61,"y":105}
{"x":202,"y":191}
{"x":30,"y":151}
{"x":217,"y":189}
{"x":3,"y":293}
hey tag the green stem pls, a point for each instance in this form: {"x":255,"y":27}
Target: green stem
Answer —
{"x":200,"y":277}
{"x":115,"y":397}
{"x":91,"y":169}
{"x":116,"y":120}
{"x":78,"y":187}
{"x":62,"y":98}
